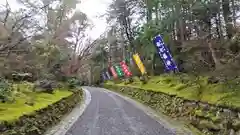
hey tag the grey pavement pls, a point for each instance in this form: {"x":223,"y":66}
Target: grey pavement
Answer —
{"x":110,"y":114}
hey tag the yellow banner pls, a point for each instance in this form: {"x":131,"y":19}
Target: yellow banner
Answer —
{"x":139,"y":63}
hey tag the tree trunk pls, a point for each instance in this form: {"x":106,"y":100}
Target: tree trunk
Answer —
{"x":156,"y":13}
{"x":153,"y":64}
{"x":227,"y":18}
{"x":234,"y":12}
{"x":149,"y":15}
{"x":180,"y":23}
{"x":149,"y":10}
{"x":174,"y":24}
{"x":181,"y":30}
{"x":214,"y":56}
{"x":218,"y":26}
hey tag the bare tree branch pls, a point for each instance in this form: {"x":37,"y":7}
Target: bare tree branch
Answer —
{"x":8,"y":10}
{"x":26,"y":17}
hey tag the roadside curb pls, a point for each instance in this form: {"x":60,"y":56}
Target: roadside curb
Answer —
{"x":164,"y":120}
{"x":68,"y":121}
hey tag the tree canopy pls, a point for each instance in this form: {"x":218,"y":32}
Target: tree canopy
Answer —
{"x":42,"y":36}
{"x":203,"y":35}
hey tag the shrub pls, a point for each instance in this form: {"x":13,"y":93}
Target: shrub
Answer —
{"x":48,"y":76}
{"x":15,"y":76}
{"x":128,"y":81}
{"x":46,"y":86}
{"x":5,"y":91}
{"x":73,"y":83}
{"x":60,"y":85}
{"x":144,"y":79}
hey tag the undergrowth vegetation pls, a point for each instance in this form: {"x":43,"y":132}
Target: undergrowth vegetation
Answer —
{"x":5,"y":91}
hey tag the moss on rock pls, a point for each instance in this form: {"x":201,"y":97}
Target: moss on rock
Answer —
{"x":38,"y":122}
{"x":205,"y":124}
{"x":236,"y":124}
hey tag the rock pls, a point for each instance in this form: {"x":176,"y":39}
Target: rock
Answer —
{"x":229,"y":114}
{"x":44,"y":86}
{"x":204,"y":124}
{"x":221,"y":126}
{"x":238,"y":132}
{"x":232,"y":132}
{"x":236,"y":124}
{"x":227,"y":123}
{"x":226,"y":111}
{"x":194,"y":120}
{"x":204,"y":106}
{"x":216,"y":119}
{"x":212,"y":80}
{"x":213,"y":109}
{"x":180,"y":109}
{"x":190,"y":105}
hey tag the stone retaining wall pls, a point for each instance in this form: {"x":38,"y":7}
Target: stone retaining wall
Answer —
{"x":210,"y":119}
{"x":38,"y":122}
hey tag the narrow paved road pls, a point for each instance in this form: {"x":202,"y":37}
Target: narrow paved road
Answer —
{"x":109,"y":114}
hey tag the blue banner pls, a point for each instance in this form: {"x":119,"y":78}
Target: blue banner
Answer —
{"x":108,"y":75}
{"x":164,"y":53}
{"x":104,"y":77}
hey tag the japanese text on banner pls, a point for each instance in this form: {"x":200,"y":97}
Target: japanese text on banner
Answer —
{"x":164,"y":54}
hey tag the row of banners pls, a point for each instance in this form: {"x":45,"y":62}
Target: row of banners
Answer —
{"x":122,"y":70}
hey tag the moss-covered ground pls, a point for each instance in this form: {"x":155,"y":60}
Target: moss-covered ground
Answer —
{"x":26,"y":101}
{"x":191,"y":88}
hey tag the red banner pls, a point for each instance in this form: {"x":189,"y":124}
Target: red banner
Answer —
{"x":113,"y":72}
{"x":125,"y":69}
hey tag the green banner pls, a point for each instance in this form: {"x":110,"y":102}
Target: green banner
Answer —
{"x":119,"y":71}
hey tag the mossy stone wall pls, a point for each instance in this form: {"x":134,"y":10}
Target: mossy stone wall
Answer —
{"x":38,"y":122}
{"x":210,"y":119}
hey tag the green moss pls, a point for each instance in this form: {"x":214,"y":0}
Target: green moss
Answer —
{"x":38,"y":122}
{"x":200,"y":113}
{"x":24,"y":94}
{"x":180,"y":86}
{"x":190,"y":93}
{"x":215,"y":118}
{"x":207,"y":115}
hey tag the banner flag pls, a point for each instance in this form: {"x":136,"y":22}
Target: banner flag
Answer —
{"x":103,"y":76}
{"x":139,"y":63}
{"x":113,"y":72}
{"x":125,"y":69}
{"x":164,"y":54}
{"x":119,"y":71}
{"x":108,"y":75}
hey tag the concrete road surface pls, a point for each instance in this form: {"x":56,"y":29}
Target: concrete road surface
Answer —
{"x":110,"y":114}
